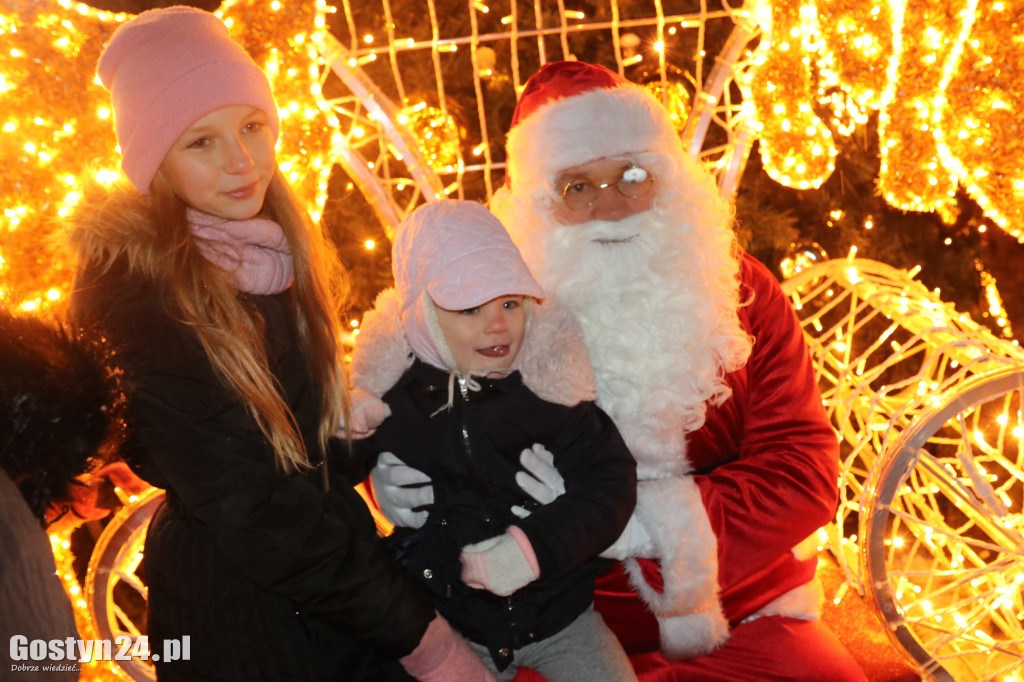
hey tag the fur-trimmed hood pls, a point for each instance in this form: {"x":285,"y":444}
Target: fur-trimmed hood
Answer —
{"x":113,"y":222}
{"x":553,"y":360}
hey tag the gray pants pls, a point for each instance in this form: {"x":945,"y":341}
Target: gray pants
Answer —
{"x":584,"y":650}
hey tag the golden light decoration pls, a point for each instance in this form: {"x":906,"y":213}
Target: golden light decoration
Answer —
{"x":994,"y":308}
{"x":942,"y":76}
{"x":982,"y":134}
{"x":912,"y":176}
{"x":57,"y":127}
{"x":676,"y":98}
{"x":437,"y":132}
{"x":796,"y":146}
{"x":857,"y":47}
{"x":801,"y":256}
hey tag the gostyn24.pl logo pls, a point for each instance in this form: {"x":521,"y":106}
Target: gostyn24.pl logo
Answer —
{"x":71,"y":650}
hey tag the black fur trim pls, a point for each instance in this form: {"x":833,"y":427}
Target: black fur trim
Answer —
{"x":58,"y":403}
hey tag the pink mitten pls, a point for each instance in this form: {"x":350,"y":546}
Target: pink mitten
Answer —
{"x":368,"y":412}
{"x":443,"y":656}
{"x":502,"y":564}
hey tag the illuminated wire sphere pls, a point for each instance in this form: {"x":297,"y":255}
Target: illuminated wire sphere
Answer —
{"x":927,"y":406}
{"x":115,"y":592}
{"x":945,"y":552}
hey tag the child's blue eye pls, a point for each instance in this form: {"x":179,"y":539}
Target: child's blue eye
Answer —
{"x":470,"y":311}
{"x":511,"y":305}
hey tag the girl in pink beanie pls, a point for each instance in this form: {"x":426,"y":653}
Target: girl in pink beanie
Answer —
{"x":477,"y":375}
{"x":219,"y":298}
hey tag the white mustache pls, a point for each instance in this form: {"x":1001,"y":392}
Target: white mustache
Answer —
{"x":614,"y":232}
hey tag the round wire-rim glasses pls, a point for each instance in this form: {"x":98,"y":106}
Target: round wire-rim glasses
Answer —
{"x":635,"y":182}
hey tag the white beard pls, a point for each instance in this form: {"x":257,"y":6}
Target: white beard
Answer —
{"x":657,"y":300}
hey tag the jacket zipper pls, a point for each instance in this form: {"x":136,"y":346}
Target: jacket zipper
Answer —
{"x":464,"y":390}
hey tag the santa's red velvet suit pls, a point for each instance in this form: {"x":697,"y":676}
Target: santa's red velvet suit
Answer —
{"x":701,"y":362}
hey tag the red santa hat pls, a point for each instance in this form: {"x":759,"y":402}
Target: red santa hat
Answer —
{"x":571,"y":113}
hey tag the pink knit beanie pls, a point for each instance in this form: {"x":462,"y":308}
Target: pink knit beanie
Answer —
{"x":167,"y":68}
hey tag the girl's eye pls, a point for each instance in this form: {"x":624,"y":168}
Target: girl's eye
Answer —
{"x":470,"y":311}
{"x":254,"y":126}
{"x":200,"y":143}
{"x":511,"y":304}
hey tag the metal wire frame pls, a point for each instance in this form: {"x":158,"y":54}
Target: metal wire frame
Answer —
{"x":381,"y":153}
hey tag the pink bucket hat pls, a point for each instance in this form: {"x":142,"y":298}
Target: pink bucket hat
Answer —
{"x":167,"y":68}
{"x":457,"y":255}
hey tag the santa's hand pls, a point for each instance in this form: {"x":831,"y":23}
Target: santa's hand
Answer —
{"x":401,"y":491}
{"x":501,"y":565}
{"x":635,"y":541}
{"x":541,"y":480}
{"x":368,"y":412}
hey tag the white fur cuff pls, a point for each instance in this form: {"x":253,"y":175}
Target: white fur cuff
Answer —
{"x":692,"y":635}
{"x":687,"y":608}
{"x":803,"y":602}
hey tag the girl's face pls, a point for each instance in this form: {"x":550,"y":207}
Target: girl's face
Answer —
{"x":486,"y":338}
{"x":222,"y":165}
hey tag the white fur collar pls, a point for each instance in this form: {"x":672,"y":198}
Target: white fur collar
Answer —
{"x":554,"y":363}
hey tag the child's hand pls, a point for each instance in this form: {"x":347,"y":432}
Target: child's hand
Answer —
{"x":502,"y":564}
{"x":368,"y":412}
{"x":401,"y":492}
{"x":541,"y":480}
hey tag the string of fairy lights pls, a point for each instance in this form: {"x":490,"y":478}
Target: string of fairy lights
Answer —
{"x":939,"y":552}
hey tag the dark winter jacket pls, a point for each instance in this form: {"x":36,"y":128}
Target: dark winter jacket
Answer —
{"x":271,"y":578}
{"x":471,"y":453}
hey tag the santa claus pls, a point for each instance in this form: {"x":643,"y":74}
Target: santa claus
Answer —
{"x":701,"y":362}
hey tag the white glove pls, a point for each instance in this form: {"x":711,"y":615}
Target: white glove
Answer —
{"x":541,"y":480}
{"x":399,"y":490}
{"x":635,"y":541}
{"x":501,"y":565}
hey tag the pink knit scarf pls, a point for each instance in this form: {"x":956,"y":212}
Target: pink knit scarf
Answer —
{"x":254,"y":252}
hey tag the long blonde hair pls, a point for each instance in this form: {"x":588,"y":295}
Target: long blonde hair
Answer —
{"x":153,"y":234}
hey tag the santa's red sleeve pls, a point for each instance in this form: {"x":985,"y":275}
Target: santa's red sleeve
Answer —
{"x":782,"y":485}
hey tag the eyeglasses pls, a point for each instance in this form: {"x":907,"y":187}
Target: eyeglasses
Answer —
{"x":634,"y":183}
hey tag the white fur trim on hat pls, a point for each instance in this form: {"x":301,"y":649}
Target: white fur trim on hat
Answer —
{"x":561,"y":134}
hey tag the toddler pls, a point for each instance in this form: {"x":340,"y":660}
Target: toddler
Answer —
{"x":477,"y":373}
